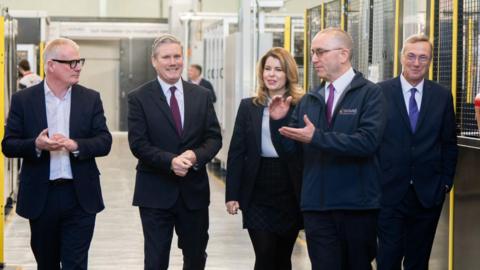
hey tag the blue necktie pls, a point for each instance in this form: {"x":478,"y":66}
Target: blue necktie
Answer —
{"x":175,"y":111}
{"x":413,"y":109}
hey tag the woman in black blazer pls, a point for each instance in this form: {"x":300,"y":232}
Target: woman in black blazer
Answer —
{"x":262,"y":182}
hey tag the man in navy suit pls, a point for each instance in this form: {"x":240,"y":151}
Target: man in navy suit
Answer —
{"x":174,"y":132}
{"x":58,"y":127}
{"x":195,"y":77}
{"x":418,"y":156}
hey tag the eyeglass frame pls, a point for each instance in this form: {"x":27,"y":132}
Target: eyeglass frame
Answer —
{"x":411,"y":57}
{"x":318,"y":52}
{"x":72,"y":63}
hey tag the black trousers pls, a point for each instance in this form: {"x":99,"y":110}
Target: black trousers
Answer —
{"x":406,"y":232}
{"x":341,"y":239}
{"x":273,"y":251}
{"x":63,"y":232}
{"x":191,"y":227}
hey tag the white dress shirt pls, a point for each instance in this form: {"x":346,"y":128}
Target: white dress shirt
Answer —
{"x":58,"y":121}
{"x":340,"y":85}
{"x":178,"y":95}
{"x":268,"y":150}
{"x":406,"y":87}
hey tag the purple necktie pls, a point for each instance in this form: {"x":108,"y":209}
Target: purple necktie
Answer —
{"x":413,"y":109}
{"x":175,"y":111}
{"x":331,"y":96}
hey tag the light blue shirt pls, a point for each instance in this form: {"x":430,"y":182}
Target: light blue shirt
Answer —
{"x":178,"y":95}
{"x":406,"y":87}
{"x":340,"y":85}
{"x":58,"y":121}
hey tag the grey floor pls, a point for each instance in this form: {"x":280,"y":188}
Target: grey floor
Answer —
{"x":118,"y":241}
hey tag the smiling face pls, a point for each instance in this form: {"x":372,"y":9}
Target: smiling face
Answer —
{"x":415,"y":61}
{"x":274,"y":76}
{"x":168,"y":62}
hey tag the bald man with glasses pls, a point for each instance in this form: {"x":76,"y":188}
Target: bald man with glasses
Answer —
{"x":338,"y":128}
{"x":58,"y":127}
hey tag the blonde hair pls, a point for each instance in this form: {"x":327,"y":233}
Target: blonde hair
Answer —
{"x":291,"y":72}
{"x":163,"y":39}
{"x":53,"y":48}
{"x":416,"y":39}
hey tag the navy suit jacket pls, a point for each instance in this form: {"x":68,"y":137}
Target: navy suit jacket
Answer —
{"x":155,"y":142}
{"x":244,"y":156}
{"x":427,"y":157}
{"x":27,"y":118}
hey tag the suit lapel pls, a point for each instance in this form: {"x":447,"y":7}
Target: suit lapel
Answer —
{"x":189,"y":108}
{"x":75,"y":105}
{"x":256,"y":113}
{"x":400,"y":102}
{"x":159,"y":98}
{"x":426,"y":101}
{"x":39,"y":106}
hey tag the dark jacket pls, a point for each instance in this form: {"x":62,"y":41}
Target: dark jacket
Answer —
{"x":341,"y":170}
{"x":244,"y":156}
{"x":27,"y":118}
{"x":427,"y":157}
{"x":155,"y":142}
{"x":211,"y":91}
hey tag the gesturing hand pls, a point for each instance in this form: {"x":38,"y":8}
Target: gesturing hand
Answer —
{"x":279,"y":107}
{"x":303,"y":135}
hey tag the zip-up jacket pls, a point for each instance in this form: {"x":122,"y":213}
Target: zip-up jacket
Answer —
{"x":341,"y":169}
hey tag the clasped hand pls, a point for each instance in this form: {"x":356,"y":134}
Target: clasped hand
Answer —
{"x":54,"y":143}
{"x":182,"y":163}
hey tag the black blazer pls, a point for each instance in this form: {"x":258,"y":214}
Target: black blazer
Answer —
{"x":428,"y":156}
{"x":244,"y":156}
{"x":154,"y":141}
{"x":27,"y":118}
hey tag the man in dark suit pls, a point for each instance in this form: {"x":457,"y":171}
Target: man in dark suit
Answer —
{"x":174,"y":132}
{"x":58,"y":127}
{"x":418,"y":156}
{"x":195,"y":77}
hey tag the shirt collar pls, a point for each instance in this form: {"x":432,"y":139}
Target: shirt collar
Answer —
{"x":343,"y":81}
{"x":197,"y":81}
{"x":49,"y":92}
{"x":166,"y":86}
{"x":406,"y":86}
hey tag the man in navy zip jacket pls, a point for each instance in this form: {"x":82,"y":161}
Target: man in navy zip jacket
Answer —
{"x":338,"y":127}
{"x":418,"y":156}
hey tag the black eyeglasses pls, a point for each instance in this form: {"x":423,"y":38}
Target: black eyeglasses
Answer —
{"x":72,"y":63}
{"x":319,"y":52}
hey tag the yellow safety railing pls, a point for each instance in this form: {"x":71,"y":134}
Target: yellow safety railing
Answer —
{"x":41,"y":70}
{"x":454,"y":94}
{"x":287,"y":34}
{"x":2,"y":124}
{"x":306,"y":59}
{"x":432,"y":35}
{"x":396,"y":44}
